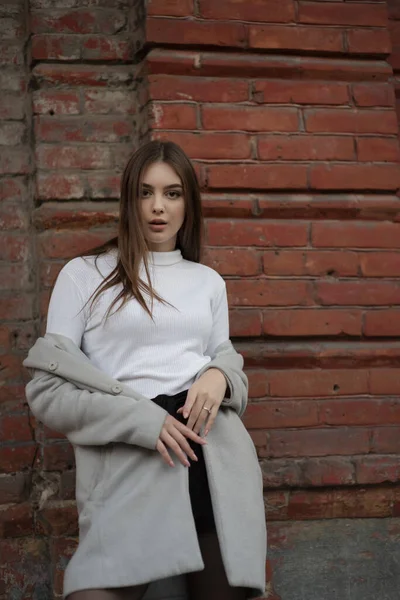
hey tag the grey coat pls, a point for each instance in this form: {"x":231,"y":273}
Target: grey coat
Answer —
{"x":135,"y":519}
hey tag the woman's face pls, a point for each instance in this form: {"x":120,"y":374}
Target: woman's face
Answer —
{"x":162,"y":206}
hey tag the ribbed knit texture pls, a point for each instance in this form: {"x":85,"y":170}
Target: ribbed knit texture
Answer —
{"x":153,"y":357}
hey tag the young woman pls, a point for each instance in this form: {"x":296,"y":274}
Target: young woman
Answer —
{"x":153,"y":320}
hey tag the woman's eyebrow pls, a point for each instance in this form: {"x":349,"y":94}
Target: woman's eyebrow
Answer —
{"x":167,"y":187}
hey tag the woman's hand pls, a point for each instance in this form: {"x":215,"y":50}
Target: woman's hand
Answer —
{"x":204,"y":399}
{"x":174,"y":434}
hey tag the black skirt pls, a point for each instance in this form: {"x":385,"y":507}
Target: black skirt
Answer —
{"x":198,"y":483}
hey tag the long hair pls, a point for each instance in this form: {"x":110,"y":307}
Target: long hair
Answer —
{"x":131,"y":243}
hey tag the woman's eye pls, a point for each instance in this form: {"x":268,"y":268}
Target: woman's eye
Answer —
{"x":174,"y":195}
{"x":145,"y":193}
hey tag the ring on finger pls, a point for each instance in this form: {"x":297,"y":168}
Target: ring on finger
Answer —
{"x":207,"y":409}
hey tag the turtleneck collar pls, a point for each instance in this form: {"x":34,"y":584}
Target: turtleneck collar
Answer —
{"x":164,"y":259}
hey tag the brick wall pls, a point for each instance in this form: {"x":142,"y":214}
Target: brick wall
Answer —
{"x":288,"y":111}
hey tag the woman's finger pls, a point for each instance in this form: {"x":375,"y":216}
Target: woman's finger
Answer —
{"x":164,"y":453}
{"x":203,"y":415}
{"x":184,"y":444}
{"x":211,"y":419}
{"x":190,"y":400}
{"x":196,"y":411}
{"x":189,"y":433}
{"x":173,"y":444}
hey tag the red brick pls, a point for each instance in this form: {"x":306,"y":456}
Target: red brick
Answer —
{"x":61,"y":187}
{"x":351,"y":121}
{"x":339,"y":13}
{"x":305,"y":147}
{"x":172,"y":8}
{"x":284,"y":413}
{"x":74,"y":157}
{"x":58,"y":456}
{"x":362,"y":293}
{"x":380,"y":264}
{"x":12,"y":106}
{"x":15,"y":428}
{"x":316,"y":382}
{"x":10,"y":364}
{"x":58,"y":102}
{"x":360,"y":411}
{"x":259,"y":233}
{"x":265,"y":292}
{"x":16,"y":161}
{"x":340,"y":441}
{"x":257,"y":177}
{"x":373,"y":94}
{"x":233,"y":261}
{"x":78,"y":21}
{"x":316,"y":263}
{"x":258,"y":385}
{"x":84,"y":129}
{"x":340,"y":504}
{"x":378,"y":149}
{"x":382,"y":323}
{"x":12,"y":397}
{"x":311,"y":39}
{"x":321,"y":472}
{"x":355,"y":235}
{"x":12,"y":133}
{"x":13,"y":189}
{"x":26,"y":568}
{"x":11,"y":54}
{"x":16,"y":277}
{"x":377,"y":469}
{"x":58,"y":518}
{"x":300,"y":92}
{"x":368,"y":41}
{"x":82,"y":75}
{"x":12,"y":28}
{"x":386,"y":440}
{"x":16,"y":458}
{"x":173,"y":32}
{"x":311,"y":322}
{"x":245,"y":323}
{"x":210,"y":145}
{"x":14,"y":247}
{"x":168,"y":87}
{"x":67,"y":485}
{"x":55,"y":47}
{"x":16,"y":521}
{"x":173,"y":116}
{"x":385,"y":381}
{"x":17,"y":307}
{"x":14,"y":488}
{"x":280,"y":473}
{"x":66,"y":244}
{"x":275,"y":11}
{"x":104,"y":185}
{"x":62,"y":550}
{"x":355,"y":177}
{"x":13,"y":216}
{"x":109,"y":102}
{"x":102,"y":47}
{"x":252,"y":118}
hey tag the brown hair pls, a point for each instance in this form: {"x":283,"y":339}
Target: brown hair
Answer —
{"x":130,"y":242}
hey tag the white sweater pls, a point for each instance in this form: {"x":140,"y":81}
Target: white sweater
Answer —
{"x":153,"y":357}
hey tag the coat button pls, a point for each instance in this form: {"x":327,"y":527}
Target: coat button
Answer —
{"x":53,"y":365}
{"x":117,"y":389}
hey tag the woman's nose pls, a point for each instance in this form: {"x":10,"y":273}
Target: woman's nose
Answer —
{"x":158,"y":203}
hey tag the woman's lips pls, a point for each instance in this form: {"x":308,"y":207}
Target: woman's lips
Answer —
{"x":157,"y":226}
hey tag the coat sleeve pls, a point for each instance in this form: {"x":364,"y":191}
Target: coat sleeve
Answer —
{"x":93,"y":418}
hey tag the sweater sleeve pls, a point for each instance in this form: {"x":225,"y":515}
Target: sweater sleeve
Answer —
{"x":93,"y":418}
{"x":67,"y":313}
{"x":220,"y":325}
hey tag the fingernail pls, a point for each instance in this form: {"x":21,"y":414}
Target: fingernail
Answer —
{"x":194,"y":457}
{"x":206,"y":431}
{"x":171,"y":464}
{"x":185,"y":414}
{"x":187,"y":464}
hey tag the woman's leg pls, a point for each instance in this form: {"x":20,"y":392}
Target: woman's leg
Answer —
{"x":211,"y":583}
{"x":126,"y":593}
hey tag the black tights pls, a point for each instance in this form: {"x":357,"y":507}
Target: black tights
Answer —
{"x":209,"y":584}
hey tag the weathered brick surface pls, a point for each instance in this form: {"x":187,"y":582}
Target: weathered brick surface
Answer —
{"x":288,"y":110}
